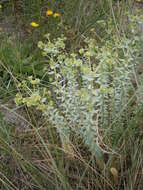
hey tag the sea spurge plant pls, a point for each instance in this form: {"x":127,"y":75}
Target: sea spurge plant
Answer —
{"x":87,"y":90}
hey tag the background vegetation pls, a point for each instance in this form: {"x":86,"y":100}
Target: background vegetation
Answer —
{"x":71,"y":95}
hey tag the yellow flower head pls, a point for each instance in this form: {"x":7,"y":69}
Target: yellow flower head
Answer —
{"x":34,"y":24}
{"x":0,"y":6}
{"x":56,"y":15}
{"x":49,"y":12}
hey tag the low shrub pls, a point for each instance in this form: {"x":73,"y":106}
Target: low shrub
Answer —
{"x":88,"y":90}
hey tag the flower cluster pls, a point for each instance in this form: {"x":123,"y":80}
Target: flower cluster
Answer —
{"x":49,"y":12}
